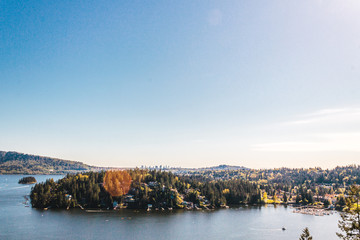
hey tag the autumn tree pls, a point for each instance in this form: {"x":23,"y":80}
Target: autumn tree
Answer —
{"x":117,"y":183}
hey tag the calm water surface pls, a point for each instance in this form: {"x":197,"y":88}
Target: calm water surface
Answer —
{"x":20,"y":222}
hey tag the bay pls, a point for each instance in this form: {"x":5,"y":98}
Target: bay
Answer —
{"x":21,"y":222}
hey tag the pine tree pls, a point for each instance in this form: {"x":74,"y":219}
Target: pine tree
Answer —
{"x":350,"y":218}
{"x":285,"y":198}
{"x":305,"y":235}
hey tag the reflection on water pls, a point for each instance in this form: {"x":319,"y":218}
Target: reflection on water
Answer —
{"x":20,"y":222}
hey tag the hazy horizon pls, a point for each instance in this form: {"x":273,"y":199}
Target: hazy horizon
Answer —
{"x":184,"y":84}
{"x":188,"y":167}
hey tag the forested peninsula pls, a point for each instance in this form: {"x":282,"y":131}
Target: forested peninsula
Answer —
{"x":148,"y":189}
{"x":207,"y":189}
{"x":20,"y":163}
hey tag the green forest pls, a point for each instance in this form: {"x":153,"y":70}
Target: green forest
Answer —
{"x":158,"y":188}
{"x":19,"y":163}
{"x":151,"y":189}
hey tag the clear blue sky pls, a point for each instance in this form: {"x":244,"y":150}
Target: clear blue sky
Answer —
{"x":182,"y":83}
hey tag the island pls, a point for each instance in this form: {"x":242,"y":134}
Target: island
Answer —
{"x":27,"y":180}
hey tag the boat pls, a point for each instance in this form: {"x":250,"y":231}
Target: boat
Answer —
{"x":93,"y":211}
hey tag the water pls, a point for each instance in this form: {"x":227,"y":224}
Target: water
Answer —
{"x":20,"y":222}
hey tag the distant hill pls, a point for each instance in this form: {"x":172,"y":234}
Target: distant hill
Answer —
{"x":225,"y":167}
{"x":20,"y":163}
{"x":203,"y":170}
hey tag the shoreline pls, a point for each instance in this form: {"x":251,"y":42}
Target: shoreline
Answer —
{"x":307,"y":209}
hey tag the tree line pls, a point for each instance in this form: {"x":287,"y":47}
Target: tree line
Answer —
{"x":159,"y":188}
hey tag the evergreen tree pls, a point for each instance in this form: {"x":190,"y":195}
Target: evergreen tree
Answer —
{"x":350,"y":218}
{"x":305,"y":235}
{"x":285,"y":198}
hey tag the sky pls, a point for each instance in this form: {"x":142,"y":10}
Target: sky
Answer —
{"x":261,"y":84}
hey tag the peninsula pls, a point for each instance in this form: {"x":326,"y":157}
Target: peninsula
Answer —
{"x":201,"y":189}
{"x":21,"y":163}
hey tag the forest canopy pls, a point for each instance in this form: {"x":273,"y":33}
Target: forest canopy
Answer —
{"x":141,"y":188}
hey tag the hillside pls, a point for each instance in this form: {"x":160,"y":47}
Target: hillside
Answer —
{"x":224,"y":167}
{"x":20,"y":163}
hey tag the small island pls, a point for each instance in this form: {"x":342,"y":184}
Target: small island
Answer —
{"x":27,"y":180}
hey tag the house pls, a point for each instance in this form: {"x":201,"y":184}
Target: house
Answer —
{"x":187,"y":204}
{"x":149,"y":207}
{"x":129,"y":198}
{"x":153,"y":184}
{"x":68,"y":197}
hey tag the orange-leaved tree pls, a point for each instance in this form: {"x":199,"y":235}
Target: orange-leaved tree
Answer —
{"x":117,"y":182}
